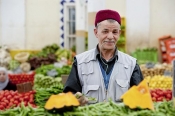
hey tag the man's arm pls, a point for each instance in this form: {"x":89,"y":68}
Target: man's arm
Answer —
{"x":73,"y":83}
{"x":137,"y":76}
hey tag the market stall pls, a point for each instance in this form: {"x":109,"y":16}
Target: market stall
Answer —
{"x":153,"y":97}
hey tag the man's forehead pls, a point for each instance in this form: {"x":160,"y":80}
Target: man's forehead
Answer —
{"x":108,"y":23}
{"x":107,"y":27}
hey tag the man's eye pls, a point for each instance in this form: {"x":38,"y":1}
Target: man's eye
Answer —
{"x":115,"y":32}
{"x":105,"y":31}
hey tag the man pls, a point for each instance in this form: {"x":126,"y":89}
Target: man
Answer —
{"x":104,"y":72}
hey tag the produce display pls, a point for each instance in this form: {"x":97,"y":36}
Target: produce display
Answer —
{"x":46,"y":59}
{"x":22,"y":77}
{"x":10,"y":99}
{"x":50,"y":55}
{"x":152,"y":97}
{"x":47,"y":81}
{"x":159,"y":82}
{"x":4,"y":56}
{"x":99,"y":109}
{"x":13,"y":64}
{"x":64,"y":53}
{"x":55,"y":71}
{"x":159,"y":95}
{"x":24,"y":111}
{"x":43,"y":94}
{"x":156,"y":69}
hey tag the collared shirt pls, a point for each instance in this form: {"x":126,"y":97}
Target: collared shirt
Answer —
{"x":73,"y":83}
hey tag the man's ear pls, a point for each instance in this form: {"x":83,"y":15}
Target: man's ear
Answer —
{"x":95,"y":32}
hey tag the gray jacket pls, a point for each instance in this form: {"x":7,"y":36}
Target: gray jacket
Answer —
{"x":92,"y":81}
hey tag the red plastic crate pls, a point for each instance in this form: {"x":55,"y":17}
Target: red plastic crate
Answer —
{"x":168,"y":57}
{"x":162,"y":42}
{"x":22,"y":78}
{"x":170,"y":44}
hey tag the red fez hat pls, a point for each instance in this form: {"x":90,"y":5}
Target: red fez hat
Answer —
{"x":107,"y":14}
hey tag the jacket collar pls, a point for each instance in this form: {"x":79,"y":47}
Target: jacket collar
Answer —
{"x":97,"y":53}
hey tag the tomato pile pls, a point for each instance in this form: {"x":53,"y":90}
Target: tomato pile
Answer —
{"x":160,"y":95}
{"x":9,"y":99}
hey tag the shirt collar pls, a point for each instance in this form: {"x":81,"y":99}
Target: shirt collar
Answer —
{"x":97,"y":52}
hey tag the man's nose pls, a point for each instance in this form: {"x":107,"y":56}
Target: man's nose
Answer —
{"x":110,"y":35}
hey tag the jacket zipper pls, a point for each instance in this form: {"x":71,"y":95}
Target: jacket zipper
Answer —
{"x":106,"y":90}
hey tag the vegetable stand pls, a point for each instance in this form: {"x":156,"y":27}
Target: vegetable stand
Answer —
{"x":48,"y":80}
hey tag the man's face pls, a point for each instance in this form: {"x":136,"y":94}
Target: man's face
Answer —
{"x":2,"y":76}
{"x":108,"y":34}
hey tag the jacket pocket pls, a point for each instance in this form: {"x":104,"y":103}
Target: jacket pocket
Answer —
{"x":92,"y":92}
{"x":87,"y":73}
{"x":87,"y":68}
{"x":122,"y":86}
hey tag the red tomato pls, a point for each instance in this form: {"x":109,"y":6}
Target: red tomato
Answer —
{"x":4,"y":98}
{"x":158,"y":91}
{"x":160,"y":99}
{"x":21,"y":99}
{"x":169,"y":91}
{"x":1,"y":96}
{"x":161,"y":93}
{"x":9,"y":97}
{"x":10,"y":104}
{"x":31,"y":100}
{"x":6,"y":101}
{"x":1,"y":92}
{"x":13,"y":93}
{"x":169,"y":96}
{"x":6,"y":94}
{"x":12,"y":100}
{"x":154,"y":95}
{"x":16,"y":102}
{"x":1,"y":107}
{"x":16,"y":97}
{"x":3,"y":104}
{"x":20,"y":95}
{"x":8,"y":107}
{"x":26,"y":98}
{"x":27,"y":94}
{"x":31,"y":96}
{"x":6,"y":91}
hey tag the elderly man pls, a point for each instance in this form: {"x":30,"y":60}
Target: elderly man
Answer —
{"x":103,"y":72}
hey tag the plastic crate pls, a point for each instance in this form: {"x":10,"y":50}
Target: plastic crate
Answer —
{"x":146,"y":55}
{"x":22,"y":78}
{"x":170,"y":44}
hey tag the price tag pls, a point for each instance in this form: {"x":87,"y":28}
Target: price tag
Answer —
{"x":173,"y":93}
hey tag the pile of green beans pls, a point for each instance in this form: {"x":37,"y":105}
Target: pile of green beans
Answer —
{"x":100,"y":109}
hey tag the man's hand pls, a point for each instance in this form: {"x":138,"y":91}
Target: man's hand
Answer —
{"x":81,"y":98}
